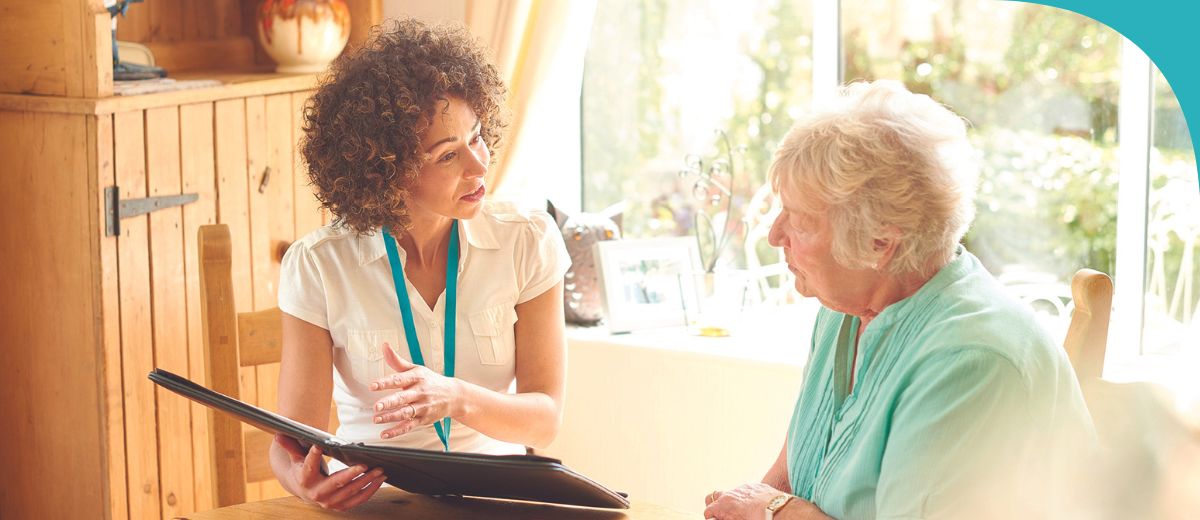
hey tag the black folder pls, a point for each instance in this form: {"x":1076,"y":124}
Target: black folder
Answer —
{"x":516,"y":477}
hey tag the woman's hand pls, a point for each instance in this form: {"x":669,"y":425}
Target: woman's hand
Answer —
{"x":340,"y":491}
{"x":423,"y":397}
{"x":749,"y":502}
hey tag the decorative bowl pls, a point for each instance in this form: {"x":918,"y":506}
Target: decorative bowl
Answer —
{"x":303,"y":36}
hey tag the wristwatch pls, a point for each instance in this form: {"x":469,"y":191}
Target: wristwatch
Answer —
{"x":776,"y":504}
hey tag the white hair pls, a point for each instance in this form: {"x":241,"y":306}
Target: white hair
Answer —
{"x":880,"y":156}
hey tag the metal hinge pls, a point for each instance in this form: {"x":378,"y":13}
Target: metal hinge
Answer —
{"x":116,"y":209}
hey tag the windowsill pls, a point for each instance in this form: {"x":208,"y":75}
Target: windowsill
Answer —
{"x":756,"y":337}
{"x":641,"y":406}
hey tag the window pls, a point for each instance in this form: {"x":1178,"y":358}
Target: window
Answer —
{"x":661,"y":78}
{"x":1085,"y":156}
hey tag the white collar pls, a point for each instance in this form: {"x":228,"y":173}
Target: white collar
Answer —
{"x":478,"y":232}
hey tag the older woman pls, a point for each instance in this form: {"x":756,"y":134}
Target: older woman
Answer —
{"x":928,"y":392}
{"x":421,"y":305}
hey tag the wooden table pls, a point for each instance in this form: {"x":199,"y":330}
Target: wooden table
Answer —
{"x":391,"y":503}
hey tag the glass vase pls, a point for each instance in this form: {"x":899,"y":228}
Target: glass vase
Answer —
{"x":713,"y":301}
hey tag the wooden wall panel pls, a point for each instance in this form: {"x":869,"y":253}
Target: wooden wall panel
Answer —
{"x":309,"y":215}
{"x":261,"y":182}
{"x":96,"y":54}
{"x":133,"y":264}
{"x":279,"y":195}
{"x":260,"y":239}
{"x":364,"y":14}
{"x":71,"y":45}
{"x":160,"y":21}
{"x":223,"y":54}
{"x":134,"y":26}
{"x":249,"y":28}
{"x":32,"y":62}
{"x":169,"y":304}
{"x":233,"y":206}
{"x":199,"y":10}
{"x":100,"y":135}
{"x":51,"y":402}
{"x":166,"y":20}
{"x":228,"y":18}
{"x":233,"y":209}
{"x":198,"y":172}
{"x":281,"y":228}
{"x":55,"y":48}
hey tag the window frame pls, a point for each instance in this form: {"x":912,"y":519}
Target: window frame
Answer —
{"x":1134,"y":126}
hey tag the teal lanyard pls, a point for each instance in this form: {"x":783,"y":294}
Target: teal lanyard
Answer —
{"x":410,"y":330}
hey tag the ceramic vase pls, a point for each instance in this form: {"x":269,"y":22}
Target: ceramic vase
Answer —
{"x":303,"y":36}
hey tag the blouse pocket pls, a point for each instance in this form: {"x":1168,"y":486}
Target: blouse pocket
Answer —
{"x":493,"y":331}
{"x":365,"y":350}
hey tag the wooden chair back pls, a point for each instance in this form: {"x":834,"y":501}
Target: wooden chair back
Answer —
{"x":233,"y":340}
{"x":1087,"y":336}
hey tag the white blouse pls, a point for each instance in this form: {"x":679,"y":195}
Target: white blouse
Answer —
{"x":341,"y":281}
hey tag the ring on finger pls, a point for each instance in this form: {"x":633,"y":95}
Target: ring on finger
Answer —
{"x":409,"y":411}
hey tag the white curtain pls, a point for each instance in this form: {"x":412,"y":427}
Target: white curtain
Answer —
{"x":539,"y":47}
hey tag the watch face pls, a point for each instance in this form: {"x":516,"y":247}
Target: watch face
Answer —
{"x":778,"y":502}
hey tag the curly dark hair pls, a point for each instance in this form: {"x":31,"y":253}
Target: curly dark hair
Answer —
{"x":364,"y":124}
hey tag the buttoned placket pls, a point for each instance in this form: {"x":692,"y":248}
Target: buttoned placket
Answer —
{"x":869,"y":344}
{"x":436,"y":360}
{"x":433,"y":344}
{"x":432,"y":339}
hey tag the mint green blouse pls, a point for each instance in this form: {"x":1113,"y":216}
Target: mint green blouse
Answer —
{"x":961,"y":404}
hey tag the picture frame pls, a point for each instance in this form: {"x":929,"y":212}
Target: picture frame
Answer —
{"x":641,"y":282}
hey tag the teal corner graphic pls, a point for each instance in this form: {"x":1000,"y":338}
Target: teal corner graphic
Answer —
{"x":1163,"y":29}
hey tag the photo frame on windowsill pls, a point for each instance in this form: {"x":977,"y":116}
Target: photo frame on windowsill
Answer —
{"x":640,"y":281}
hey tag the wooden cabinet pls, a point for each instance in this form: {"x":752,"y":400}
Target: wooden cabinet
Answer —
{"x":86,"y":316}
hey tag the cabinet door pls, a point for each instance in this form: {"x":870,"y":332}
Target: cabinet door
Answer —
{"x":158,"y":152}
{"x":240,"y":157}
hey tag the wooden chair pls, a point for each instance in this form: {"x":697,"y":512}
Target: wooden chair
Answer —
{"x":1087,"y":336}
{"x":1148,"y":446}
{"x":233,"y":340}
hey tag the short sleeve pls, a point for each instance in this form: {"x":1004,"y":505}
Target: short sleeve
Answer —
{"x":542,"y":257}
{"x":959,"y":441}
{"x":301,"y":289}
